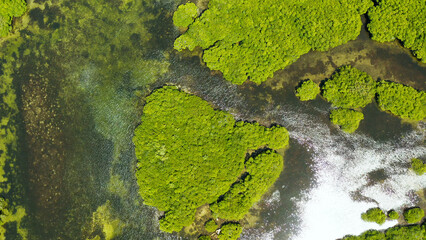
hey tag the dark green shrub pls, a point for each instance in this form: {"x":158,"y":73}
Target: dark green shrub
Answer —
{"x":307,"y":91}
{"x":349,"y":88}
{"x":210,"y":225}
{"x":418,"y":166}
{"x":374,"y":215}
{"x":403,"y":101}
{"x":393,"y":215}
{"x":204,"y":238}
{"x":8,"y":10}
{"x":250,"y":40}
{"x":347,"y":119}
{"x":190,"y":154}
{"x":185,"y":14}
{"x":414,"y":215}
{"x":230,"y":231}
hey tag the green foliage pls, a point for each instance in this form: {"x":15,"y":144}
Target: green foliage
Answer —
{"x":210,"y":225}
{"x":393,"y":215}
{"x":403,"y":101}
{"x":414,"y":215}
{"x":185,"y":14}
{"x":190,"y":154}
{"x":252,"y":39}
{"x":349,"y":88}
{"x":411,"y":232}
{"x":401,"y":19}
{"x":8,"y":10}
{"x":374,"y":215}
{"x":347,"y":119}
{"x":418,"y":166}
{"x":230,"y":231}
{"x":308,"y":91}
{"x":204,"y":238}
{"x":263,"y":170}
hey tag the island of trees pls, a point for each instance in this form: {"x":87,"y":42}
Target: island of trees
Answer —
{"x":190,"y":155}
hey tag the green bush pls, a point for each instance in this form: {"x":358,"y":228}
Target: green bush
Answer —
{"x":403,"y":101}
{"x":252,"y":39}
{"x":374,"y":215}
{"x":185,"y":14}
{"x":263,"y":170}
{"x":418,"y":166}
{"x":347,"y":119}
{"x":411,"y":232}
{"x":307,"y":91}
{"x":400,"y":19}
{"x":190,"y":154}
{"x":8,"y":10}
{"x":204,"y":238}
{"x":393,"y":215}
{"x":230,"y":231}
{"x":349,"y":88}
{"x":210,"y":225}
{"x":414,"y":215}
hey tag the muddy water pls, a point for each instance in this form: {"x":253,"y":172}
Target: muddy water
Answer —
{"x":87,"y":166}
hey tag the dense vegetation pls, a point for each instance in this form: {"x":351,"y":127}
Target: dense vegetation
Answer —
{"x":190,"y":154}
{"x":410,"y":232}
{"x":210,"y":226}
{"x":414,"y":215}
{"x":263,"y":170}
{"x":204,"y":238}
{"x":185,"y":14}
{"x":418,"y":166}
{"x":347,"y":119}
{"x":230,"y":231}
{"x":403,"y":101}
{"x":393,"y":215}
{"x":252,"y":39}
{"x":374,"y":215}
{"x":8,"y":10}
{"x":308,"y":90}
{"x":349,"y":88}
{"x":400,"y":19}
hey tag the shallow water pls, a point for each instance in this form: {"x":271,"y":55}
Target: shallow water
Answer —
{"x":96,"y":105}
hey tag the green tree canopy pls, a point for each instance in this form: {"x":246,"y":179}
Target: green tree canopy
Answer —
{"x":185,"y":14}
{"x":204,"y":238}
{"x":308,"y":90}
{"x":230,"y":231}
{"x":347,"y":119}
{"x":210,"y":225}
{"x":414,"y":215}
{"x":252,"y":39}
{"x":349,"y":88}
{"x":411,"y":232}
{"x":393,"y":215}
{"x":418,"y":166}
{"x":8,"y":10}
{"x":190,"y":154}
{"x":374,"y":215}
{"x":400,"y":19}
{"x":403,"y":101}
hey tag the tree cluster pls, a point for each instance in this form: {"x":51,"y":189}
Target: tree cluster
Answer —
{"x":185,"y":14}
{"x":230,"y":231}
{"x":418,"y":166}
{"x":210,"y":225}
{"x":414,"y":215}
{"x":8,"y":10}
{"x":308,"y":90}
{"x":374,"y":215}
{"x":393,"y":215}
{"x":250,"y":40}
{"x":400,"y":19}
{"x":347,"y":119}
{"x":410,"y":232}
{"x":190,"y":154}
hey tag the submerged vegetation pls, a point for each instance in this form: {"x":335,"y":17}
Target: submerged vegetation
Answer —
{"x":347,"y":119}
{"x":374,"y":215}
{"x":418,"y":166}
{"x":400,"y":19}
{"x":250,"y":40}
{"x":190,"y":154}
{"x":308,"y":90}
{"x":8,"y":10}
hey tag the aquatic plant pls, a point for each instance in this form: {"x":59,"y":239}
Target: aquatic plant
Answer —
{"x":400,"y":19}
{"x":230,"y":231}
{"x":418,"y":166}
{"x":190,"y":154}
{"x":185,"y":14}
{"x":414,"y":215}
{"x":347,"y":119}
{"x":374,"y":215}
{"x":8,"y":10}
{"x":393,"y":215}
{"x":402,"y":101}
{"x":349,"y":88}
{"x":250,"y":40}
{"x":308,"y":90}
{"x":210,"y":225}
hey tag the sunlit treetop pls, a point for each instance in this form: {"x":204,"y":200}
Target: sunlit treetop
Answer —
{"x":308,"y":90}
{"x":251,"y":39}
{"x":8,"y":10}
{"x":418,"y":166}
{"x":400,"y":19}
{"x":185,"y":14}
